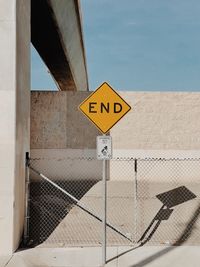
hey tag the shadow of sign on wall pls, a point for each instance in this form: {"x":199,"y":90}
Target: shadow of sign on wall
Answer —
{"x":169,"y":200}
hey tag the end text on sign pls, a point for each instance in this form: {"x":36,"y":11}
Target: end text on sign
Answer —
{"x":94,"y":107}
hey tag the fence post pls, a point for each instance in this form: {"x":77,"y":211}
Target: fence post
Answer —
{"x":135,"y":196}
{"x":27,"y":196}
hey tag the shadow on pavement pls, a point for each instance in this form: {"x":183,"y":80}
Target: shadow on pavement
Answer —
{"x":169,"y":199}
{"x":183,"y":237}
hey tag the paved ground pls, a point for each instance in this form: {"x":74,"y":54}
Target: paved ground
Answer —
{"x":157,"y":256}
{"x":4,"y":260}
{"x":150,"y":256}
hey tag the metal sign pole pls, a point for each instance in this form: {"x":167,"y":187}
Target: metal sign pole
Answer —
{"x":104,"y":153}
{"x":108,"y":113}
{"x":104,"y":219}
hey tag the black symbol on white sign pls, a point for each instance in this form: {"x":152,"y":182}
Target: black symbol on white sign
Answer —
{"x":104,"y":151}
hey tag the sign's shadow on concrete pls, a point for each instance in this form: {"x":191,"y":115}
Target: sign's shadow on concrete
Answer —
{"x":169,"y":199}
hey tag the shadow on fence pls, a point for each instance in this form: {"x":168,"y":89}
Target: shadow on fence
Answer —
{"x":49,"y":206}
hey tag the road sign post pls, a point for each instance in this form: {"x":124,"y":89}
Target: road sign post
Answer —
{"x":104,"y":153}
{"x":104,"y":107}
{"x":104,"y":187}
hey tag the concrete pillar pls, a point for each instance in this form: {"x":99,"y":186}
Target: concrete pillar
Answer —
{"x":14,"y":118}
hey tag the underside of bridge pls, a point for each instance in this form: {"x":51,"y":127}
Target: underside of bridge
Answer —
{"x":56,"y":33}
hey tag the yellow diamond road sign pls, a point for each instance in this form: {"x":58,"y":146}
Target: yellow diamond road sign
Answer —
{"x":104,"y":107}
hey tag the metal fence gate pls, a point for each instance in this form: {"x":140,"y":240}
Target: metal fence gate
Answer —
{"x":150,"y":201}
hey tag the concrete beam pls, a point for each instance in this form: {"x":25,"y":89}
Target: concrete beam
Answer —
{"x":57,"y":36}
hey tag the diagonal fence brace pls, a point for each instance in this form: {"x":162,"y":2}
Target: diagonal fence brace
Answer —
{"x":79,"y":204}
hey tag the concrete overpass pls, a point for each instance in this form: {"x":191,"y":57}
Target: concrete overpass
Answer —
{"x":57,"y":35}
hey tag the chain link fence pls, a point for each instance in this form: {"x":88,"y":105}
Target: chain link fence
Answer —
{"x":168,"y":201}
{"x":149,"y":201}
{"x":54,"y":215}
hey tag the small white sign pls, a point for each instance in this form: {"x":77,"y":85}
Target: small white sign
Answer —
{"x":104,"y":147}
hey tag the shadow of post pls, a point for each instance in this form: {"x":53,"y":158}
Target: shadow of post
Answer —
{"x":177,"y":196}
{"x":169,"y":199}
{"x":183,"y":238}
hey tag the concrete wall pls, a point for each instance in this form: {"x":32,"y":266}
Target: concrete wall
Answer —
{"x":157,"y":121}
{"x":61,"y":133}
{"x":56,"y":122}
{"x":159,"y":124}
{"x":14,"y":119}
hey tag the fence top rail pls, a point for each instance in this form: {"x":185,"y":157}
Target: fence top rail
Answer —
{"x":169,"y":159}
{"x":117,"y":158}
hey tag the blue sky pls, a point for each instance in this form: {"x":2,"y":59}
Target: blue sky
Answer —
{"x":139,"y":45}
{"x":40,"y":77}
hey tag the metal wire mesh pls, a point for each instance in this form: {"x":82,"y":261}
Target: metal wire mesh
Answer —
{"x":54,"y":217}
{"x":168,"y":201}
{"x":121,"y":202}
{"x":151,"y":201}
